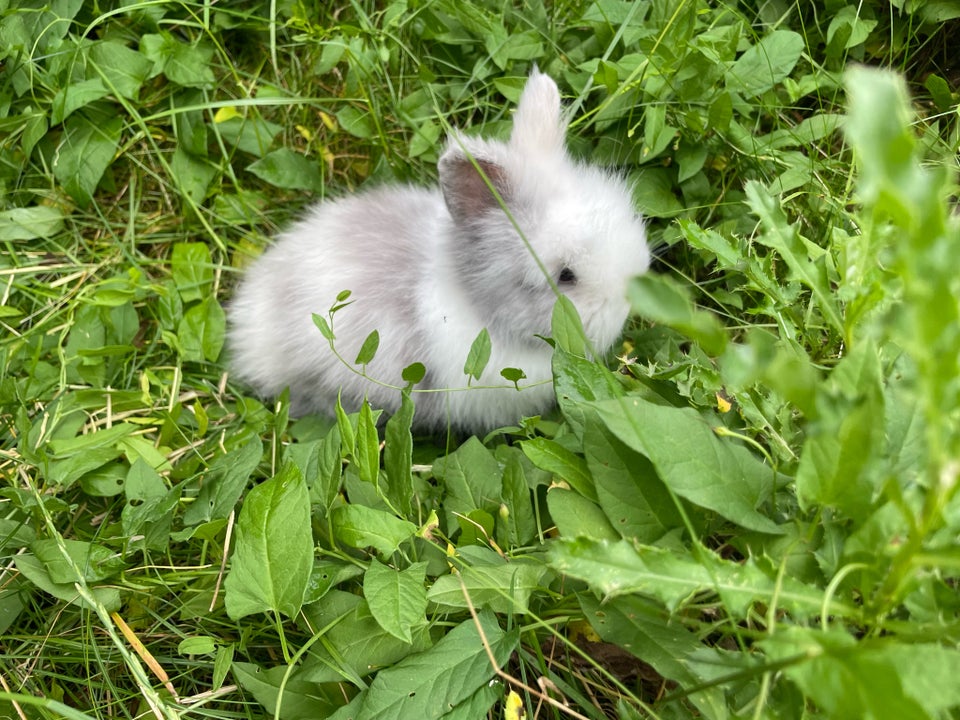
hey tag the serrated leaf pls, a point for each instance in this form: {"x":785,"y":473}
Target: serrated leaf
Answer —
{"x":397,"y":599}
{"x":479,"y":355}
{"x":273,"y":556}
{"x":783,"y":237}
{"x":358,"y":526}
{"x":623,"y":568}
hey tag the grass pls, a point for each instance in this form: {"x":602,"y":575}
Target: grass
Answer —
{"x":754,"y":514}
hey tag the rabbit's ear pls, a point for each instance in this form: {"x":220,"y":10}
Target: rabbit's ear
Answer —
{"x":538,"y":126}
{"x":465,"y":190}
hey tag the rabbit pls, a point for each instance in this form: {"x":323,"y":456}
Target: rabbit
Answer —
{"x":430,"y":268}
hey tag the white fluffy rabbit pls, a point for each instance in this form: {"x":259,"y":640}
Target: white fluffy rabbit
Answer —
{"x":430,"y":268}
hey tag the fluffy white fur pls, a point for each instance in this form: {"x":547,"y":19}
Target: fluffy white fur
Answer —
{"x":429,"y":268}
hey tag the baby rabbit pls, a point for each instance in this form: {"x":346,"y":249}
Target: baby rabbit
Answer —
{"x":430,"y":268}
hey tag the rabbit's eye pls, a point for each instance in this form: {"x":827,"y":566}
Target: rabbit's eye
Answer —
{"x":568,"y":276}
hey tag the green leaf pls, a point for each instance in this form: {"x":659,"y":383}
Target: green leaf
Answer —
{"x":692,"y":461}
{"x":575,"y":516}
{"x":85,"y":151}
{"x":95,"y":562}
{"x":473,"y":480}
{"x":358,"y":526}
{"x":273,"y":556}
{"x":551,"y":456}
{"x":356,"y":122}
{"x":516,"y":523}
{"x":633,"y":498}
{"x":192,"y":269}
{"x":185,"y":65}
{"x":414,"y":373}
{"x":435,"y":682}
{"x":192,"y":175}
{"x":784,"y":238}
{"x":479,"y":356}
{"x":641,"y":628}
{"x":355,"y":645}
{"x":123,"y":69}
{"x":35,"y":572}
{"x":767,"y":63}
{"x":287,"y":169}
{"x":663,"y":300}
{"x":398,"y":456}
{"x":30,"y":223}
{"x":850,"y":679}
{"x":369,"y":349}
{"x":224,"y":482}
{"x":197,"y":645}
{"x":323,"y":326}
{"x":202,"y":331}
{"x":367,"y":450}
{"x":397,"y":599}
{"x":501,"y":586}
{"x":567,"y":327}
{"x":622,"y":568}
{"x":75,"y":96}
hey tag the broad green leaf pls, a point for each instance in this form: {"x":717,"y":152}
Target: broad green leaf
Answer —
{"x":123,"y":69}
{"x":185,"y":65}
{"x":202,"y":331}
{"x":35,"y":572}
{"x":72,"y":457}
{"x":553,"y":457}
{"x":632,"y":497}
{"x":29,"y":223}
{"x":300,"y":697}
{"x":397,"y":598}
{"x":432,"y":683}
{"x":653,"y":191}
{"x":358,"y":526}
{"x":479,"y":356}
{"x":94,"y":562}
{"x":766,"y":63}
{"x":577,"y":380}
{"x":192,"y":269}
{"x":287,"y":169}
{"x":501,"y":586}
{"x":356,"y":122}
{"x":472,"y":477}
{"x":85,"y":152}
{"x":575,"y":516}
{"x":224,"y":482}
{"x":663,"y":300}
{"x":197,"y":645}
{"x":192,"y":175}
{"x":75,"y":96}
{"x":784,"y":238}
{"x":691,"y":460}
{"x":623,"y":568}
{"x":273,"y":555}
{"x":355,"y":645}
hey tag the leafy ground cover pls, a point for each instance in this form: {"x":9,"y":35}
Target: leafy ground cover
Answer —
{"x":750,"y":511}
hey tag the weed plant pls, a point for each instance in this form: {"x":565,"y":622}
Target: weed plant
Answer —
{"x":751,"y":511}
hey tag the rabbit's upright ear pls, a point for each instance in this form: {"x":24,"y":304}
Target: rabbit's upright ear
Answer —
{"x":465,"y":191}
{"x":538,"y":126}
